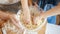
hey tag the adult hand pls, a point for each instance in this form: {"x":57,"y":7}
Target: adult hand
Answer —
{"x":15,"y":21}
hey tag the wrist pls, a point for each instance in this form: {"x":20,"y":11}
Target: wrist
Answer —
{"x":42,"y":15}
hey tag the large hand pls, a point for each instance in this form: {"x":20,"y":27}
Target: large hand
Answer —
{"x":14,"y":21}
{"x":5,"y":17}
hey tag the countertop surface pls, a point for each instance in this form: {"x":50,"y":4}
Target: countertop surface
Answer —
{"x":52,"y":29}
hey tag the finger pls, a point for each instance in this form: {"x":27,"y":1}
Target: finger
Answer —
{"x":26,"y":21}
{"x":17,"y":25}
{"x":15,"y":22}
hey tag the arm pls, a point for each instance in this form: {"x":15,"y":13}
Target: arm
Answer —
{"x":26,"y":10}
{"x":4,"y":16}
{"x":52,"y":12}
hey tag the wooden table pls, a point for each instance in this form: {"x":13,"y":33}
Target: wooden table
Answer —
{"x":42,"y":30}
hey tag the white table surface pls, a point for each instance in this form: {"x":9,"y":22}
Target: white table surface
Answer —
{"x":52,"y":29}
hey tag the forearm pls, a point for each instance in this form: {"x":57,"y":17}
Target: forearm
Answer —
{"x":4,"y":16}
{"x":52,"y":12}
{"x":25,"y":8}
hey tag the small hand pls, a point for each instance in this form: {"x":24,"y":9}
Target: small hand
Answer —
{"x":38,"y":19}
